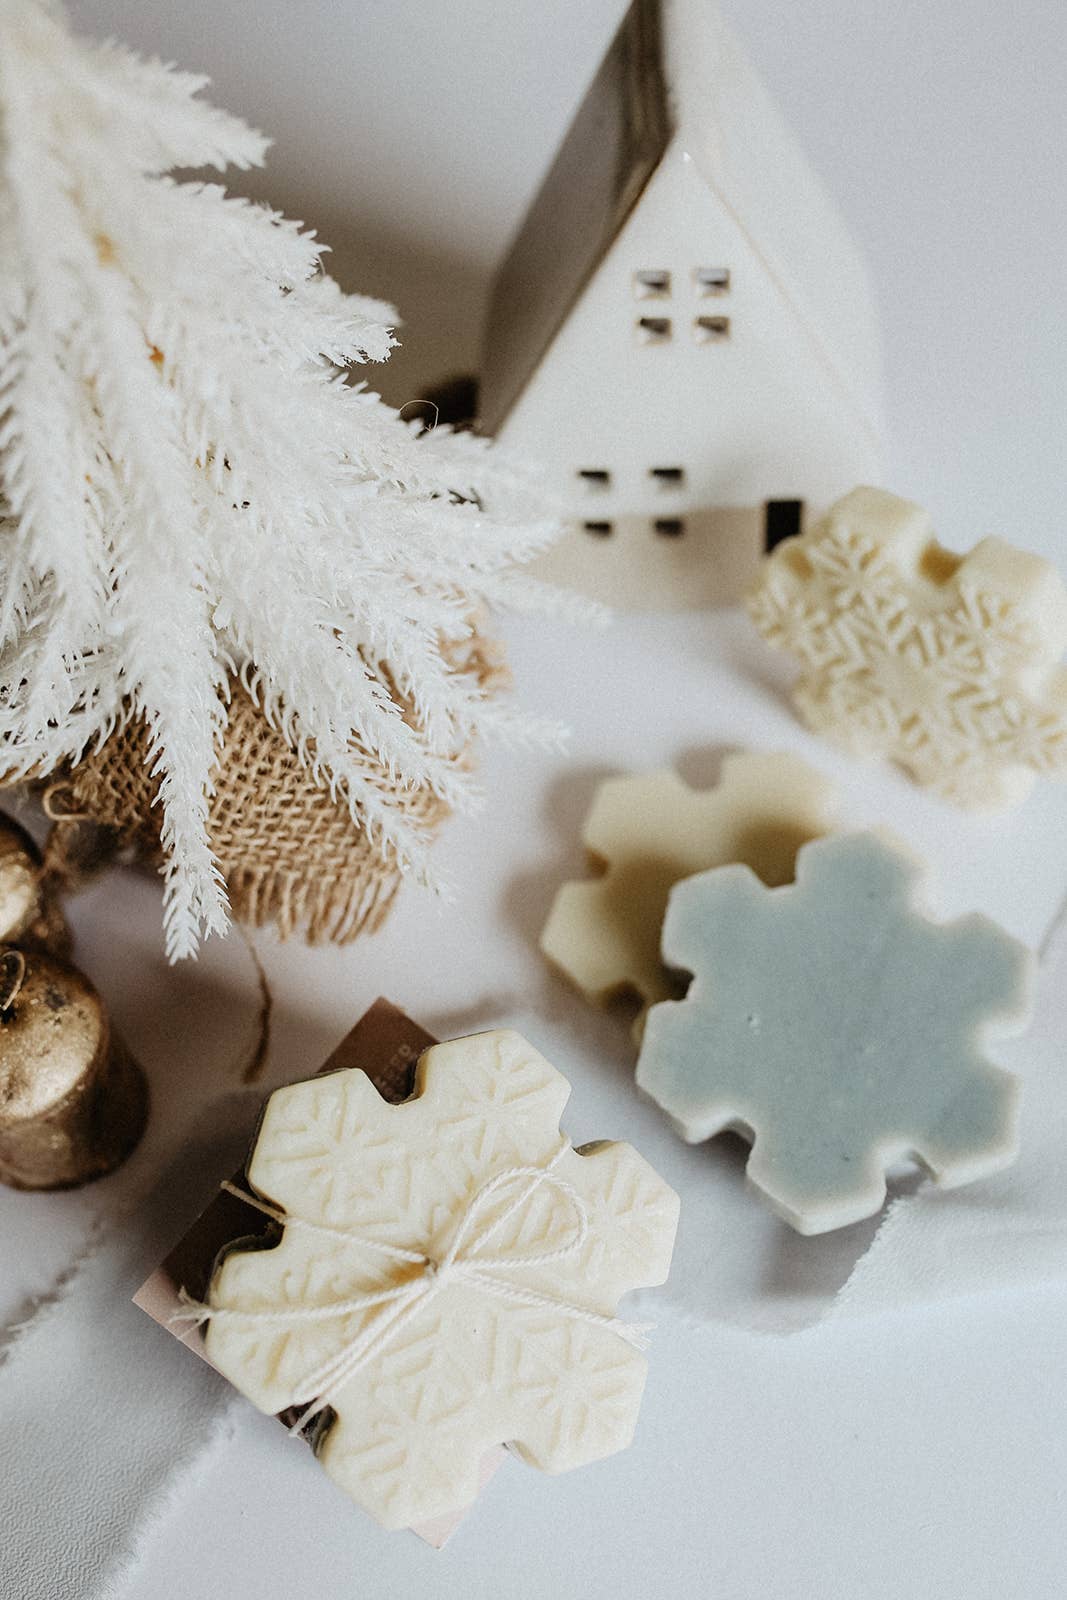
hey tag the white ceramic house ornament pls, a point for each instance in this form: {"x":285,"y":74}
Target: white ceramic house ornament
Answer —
{"x":683,"y":332}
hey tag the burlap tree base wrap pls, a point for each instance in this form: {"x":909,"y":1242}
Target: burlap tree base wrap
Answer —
{"x":290,"y":854}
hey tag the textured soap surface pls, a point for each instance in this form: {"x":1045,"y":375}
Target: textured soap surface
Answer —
{"x":473,"y":1369}
{"x":835,"y":1025}
{"x":949,"y":665}
{"x":648,"y":831}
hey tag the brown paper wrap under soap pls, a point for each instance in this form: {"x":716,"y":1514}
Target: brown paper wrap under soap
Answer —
{"x":289,"y":852}
{"x":73,"y":1102}
{"x":386,"y":1045}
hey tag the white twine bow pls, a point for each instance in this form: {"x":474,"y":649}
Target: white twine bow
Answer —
{"x":464,"y":1261}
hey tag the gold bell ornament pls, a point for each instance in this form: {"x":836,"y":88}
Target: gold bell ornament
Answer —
{"x":30,"y":914}
{"x":73,"y":1102}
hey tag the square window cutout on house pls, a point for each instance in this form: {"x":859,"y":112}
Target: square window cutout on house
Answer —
{"x":599,"y":530}
{"x":669,"y":527}
{"x":711,"y":330}
{"x":653,"y":330}
{"x":712,"y":280}
{"x":652,"y":283}
{"x":595,"y":477}
{"x":667,"y":477}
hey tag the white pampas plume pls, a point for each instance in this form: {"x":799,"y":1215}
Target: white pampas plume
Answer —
{"x":190,"y":485}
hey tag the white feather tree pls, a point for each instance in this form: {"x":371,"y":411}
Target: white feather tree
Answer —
{"x":191,"y":485}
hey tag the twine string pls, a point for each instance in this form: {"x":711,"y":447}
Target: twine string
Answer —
{"x":12,"y":976}
{"x":467,"y":1260}
{"x":56,"y":812}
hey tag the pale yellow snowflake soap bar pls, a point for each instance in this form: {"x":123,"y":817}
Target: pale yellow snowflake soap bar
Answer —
{"x":648,"y":831}
{"x":950,"y":665}
{"x":447,"y":1278}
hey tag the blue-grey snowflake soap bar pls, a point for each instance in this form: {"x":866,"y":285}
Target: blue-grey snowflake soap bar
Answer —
{"x":838,"y":1028}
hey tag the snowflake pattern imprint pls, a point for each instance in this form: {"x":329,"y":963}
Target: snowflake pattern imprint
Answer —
{"x":949,"y":665}
{"x":837,"y":1028}
{"x":535,"y":1359}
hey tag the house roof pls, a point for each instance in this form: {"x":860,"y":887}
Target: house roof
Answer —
{"x":610,"y":151}
{"x":675,"y":72}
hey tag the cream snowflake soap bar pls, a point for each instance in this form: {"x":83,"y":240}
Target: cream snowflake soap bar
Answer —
{"x":647,"y":831}
{"x":838,"y":1028}
{"x":447,"y":1277}
{"x":951,"y":665}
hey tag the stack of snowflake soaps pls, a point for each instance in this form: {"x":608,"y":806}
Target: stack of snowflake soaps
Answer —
{"x":789,"y":987}
{"x":416,"y":1268}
